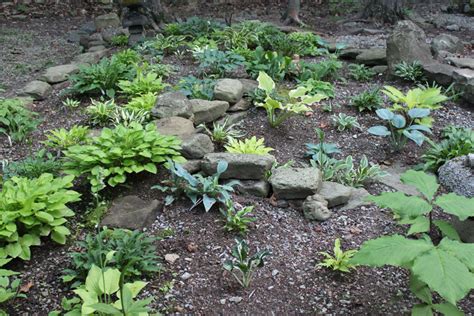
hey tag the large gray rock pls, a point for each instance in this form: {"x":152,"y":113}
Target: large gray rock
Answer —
{"x":89,"y":58}
{"x":465,"y":229}
{"x":60,"y":73}
{"x":172,"y":104}
{"x":131,"y":212}
{"x":457,"y":176}
{"x":335,"y":193}
{"x":358,"y":198}
{"x":315,"y":208}
{"x":175,"y":126}
{"x":392,"y":179}
{"x":407,"y":43}
{"x":208,"y":111}
{"x":192,"y":166}
{"x":448,"y":43}
{"x":242,"y":105}
{"x":462,"y":62}
{"x":438,"y":72}
{"x":107,"y":20}
{"x":241,"y":166}
{"x":372,"y":57}
{"x":464,"y":81}
{"x":196,"y":146}
{"x":248,"y":85}
{"x":230,"y":90}
{"x":96,"y":48}
{"x":295,"y":183}
{"x":350,"y":53}
{"x":259,"y":188}
{"x":36,"y":89}
{"x":233,"y":118}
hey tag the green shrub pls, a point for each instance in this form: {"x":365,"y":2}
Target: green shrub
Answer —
{"x":100,"y":112}
{"x":107,"y":159}
{"x":127,"y":116}
{"x":127,"y":57}
{"x":318,"y":87}
{"x":236,"y":37}
{"x":273,"y":64}
{"x":195,"y":88}
{"x":142,"y":84}
{"x":32,"y":166}
{"x":308,"y":43}
{"x":248,"y":146}
{"x":411,"y":72}
{"x":167,"y":45}
{"x":71,"y":103}
{"x":217,"y":63}
{"x":32,"y":208}
{"x":61,"y":139}
{"x":119,"y":40}
{"x":325,"y":70}
{"x":360,"y":72}
{"x":16,"y":121}
{"x":143,"y":102}
{"x":367,"y":101}
{"x":194,"y":27}
{"x":222,"y":132}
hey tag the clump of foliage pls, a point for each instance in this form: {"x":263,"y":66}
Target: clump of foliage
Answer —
{"x":199,"y":189}
{"x":318,"y":87}
{"x":108,"y":158}
{"x":194,"y":27}
{"x":308,"y":43}
{"x":128,"y":57}
{"x":195,"y":88}
{"x":127,"y":116}
{"x":166,"y":45}
{"x":273,"y":64}
{"x":324,"y":70}
{"x":143,"y":102}
{"x":32,"y":166}
{"x":410,"y":71}
{"x":445,"y":267}
{"x":236,"y":220}
{"x":340,"y":261}
{"x":345,"y":122}
{"x":143,"y":83}
{"x":71,"y":103}
{"x":32,"y":208}
{"x":360,"y":72}
{"x":277,"y":112}
{"x":248,"y":146}
{"x":321,"y":148}
{"x":223,"y":132}
{"x":119,"y":40}
{"x":456,"y":142}
{"x":61,"y":139}
{"x":99,"y":112}
{"x":243,"y":265}
{"x":236,"y":37}
{"x":134,"y":254}
{"x":218,"y":63}
{"x":367,"y":101}
{"x":16,"y":121}
{"x":9,"y":287}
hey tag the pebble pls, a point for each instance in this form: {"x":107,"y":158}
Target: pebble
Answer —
{"x":185,"y":276}
{"x":223,"y":301}
{"x":235,"y":299}
{"x":275,"y":272}
{"x":171,"y":258}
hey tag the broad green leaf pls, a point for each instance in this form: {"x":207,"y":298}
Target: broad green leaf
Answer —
{"x":420,"y":224}
{"x":379,"y":131}
{"x":423,"y":182}
{"x":420,"y":289}
{"x":398,"y":121}
{"x":265,"y":82}
{"x":454,"y":204}
{"x":463,"y":251}
{"x":385,"y":114}
{"x":109,"y":283}
{"x":151,"y":167}
{"x":418,"y":113}
{"x":421,"y":310}
{"x":106,"y":309}
{"x":447,"y":229}
{"x":58,"y":237}
{"x":93,"y":279}
{"x":448,"y":309}
{"x":405,"y":206}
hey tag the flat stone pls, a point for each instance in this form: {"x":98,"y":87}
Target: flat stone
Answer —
{"x":438,"y":72}
{"x":448,"y":43}
{"x":380,"y":69}
{"x":233,"y":118}
{"x":249,"y":86}
{"x":358,"y":198}
{"x":315,"y":208}
{"x":172,"y":104}
{"x":192,"y":166}
{"x":462,"y":62}
{"x":131,"y":212}
{"x":89,"y":58}
{"x":335,"y":193}
{"x":295,"y":183}
{"x":171,"y":258}
{"x":242,"y":105}
{"x":392,"y":179}
{"x":350,"y":53}
{"x":107,"y":20}
{"x":241,"y":166}
{"x":195,"y":146}
{"x":96,"y":48}
{"x":373,"y":57}
{"x":208,"y":111}
{"x":58,"y":74}
{"x":229,"y":90}
{"x":255,"y":188}
{"x":175,"y":126}
{"x":38,"y":90}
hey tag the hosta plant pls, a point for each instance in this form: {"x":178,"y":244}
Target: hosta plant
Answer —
{"x":410,"y":71}
{"x":327,"y":69}
{"x":99,"y":112}
{"x":108,"y":158}
{"x":243,"y":264}
{"x":32,"y":208}
{"x":127,"y":116}
{"x":272,"y":63}
{"x":142,"y":84}
{"x":345,"y":122}
{"x":9,"y":287}
{"x":369,"y":100}
{"x":142,"y":102}
{"x":277,"y":112}
{"x":235,"y":219}
{"x":248,"y":146}
{"x":321,"y":148}
{"x":195,"y":88}
{"x":360,"y":72}
{"x":223,"y":132}
{"x":445,"y":267}
{"x":60,"y":139}
{"x":340,"y":261}
{"x":71,"y":103}
{"x":318,"y":87}
{"x":16,"y":121}
{"x":218,"y":63}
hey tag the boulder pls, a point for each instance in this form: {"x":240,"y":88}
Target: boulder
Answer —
{"x":195,"y":146}
{"x":372,"y":57}
{"x":36,"y":89}
{"x":233,"y":118}
{"x":58,"y":74}
{"x":446,"y":42}
{"x":358,"y":198}
{"x":131,"y":212}
{"x":242,"y":105}
{"x":335,"y":193}
{"x":241,"y":166}
{"x":465,"y":229}
{"x":380,"y":69}
{"x":438,"y":72}
{"x":172,"y":104}
{"x":192,"y":166}
{"x":457,"y":176}
{"x":295,"y":183}
{"x":89,"y":58}
{"x":175,"y":126}
{"x":407,"y":43}
{"x":107,"y":20}
{"x":464,"y":80}
{"x":462,"y":62}
{"x":249,"y":86}
{"x":315,"y":208}
{"x":229,"y":90}
{"x":208,"y":111}
{"x":96,"y":48}
{"x":259,"y":188}
{"x":350,"y":53}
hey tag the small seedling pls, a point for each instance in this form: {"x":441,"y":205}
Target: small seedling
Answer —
{"x":236,"y":220}
{"x":340,"y":260}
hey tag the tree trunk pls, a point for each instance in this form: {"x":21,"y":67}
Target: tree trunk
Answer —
{"x":292,"y":12}
{"x":389,"y":11}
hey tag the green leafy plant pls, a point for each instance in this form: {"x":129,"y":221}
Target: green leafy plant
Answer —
{"x":236,"y":37}
{"x":216,"y":62}
{"x":445,"y":267}
{"x":134,"y":253}
{"x":243,"y":265}
{"x":128,"y":57}
{"x":32,"y":166}
{"x":410,"y":71}
{"x":16,"y":121}
{"x":327,"y":69}
{"x":142,"y":84}
{"x":340,"y":260}
{"x":273,"y":64}
{"x":236,"y":220}
{"x":193,"y":27}
{"x":277,"y":112}
{"x":452,"y":92}
{"x":200,"y":190}
{"x":108,"y":158}
{"x":99,"y":112}
{"x":345,"y":122}
{"x":143,"y":102}
{"x":308,"y":43}
{"x":360,"y":72}
{"x":223,"y":132}
{"x":119,"y":40}
{"x":367,"y":101}
{"x":165,"y":45}
{"x":61,"y":139}
{"x":71,"y":103}
{"x":32,"y":208}
{"x":127,"y":116}
{"x":248,"y":146}
{"x":318,"y":87}
{"x":322,"y":148}
{"x":399,"y":129}
{"x":195,"y":88}
{"x":9,"y":287}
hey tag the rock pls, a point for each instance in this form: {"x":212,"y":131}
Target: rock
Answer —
{"x":295,"y":183}
{"x":407,"y":43}
{"x":315,"y":208}
{"x":464,"y":81}
{"x":172,"y":104}
{"x":248,"y":86}
{"x":453,"y":27}
{"x":233,"y":118}
{"x":380,"y":69}
{"x":58,"y":74}
{"x":241,"y":166}
{"x":372,"y":57}
{"x":457,"y":176}
{"x":89,"y":58}
{"x":109,"y":33}
{"x":131,"y":212}
{"x":36,"y":89}
{"x":358,"y":198}
{"x":255,"y":188}
{"x":185,"y":276}
{"x":462,"y":62}
{"x":446,"y":42}
{"x":196,"y":146}
{"x":107,"y":20}
{"x":208,"y":111}
{"x":335,"y":193}
{"x":175,"y":126}
{"x":96,"y":48}
{"x":242,"y":105}
{"x":75,"y":36}
{"x":235,"y":299}
{"x":392,"y":179}
{"x":350,"y":53}
{"x":171,"y":258}
{"x":229,"y":90}
{"x":192,"y":166}
{"x":441,"y":73}
{"x":88,"y":27}
{"x":465,"y":229}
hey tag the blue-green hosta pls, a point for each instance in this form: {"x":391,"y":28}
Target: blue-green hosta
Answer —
{"x":31,"y":208}
{"x":108,"y":158}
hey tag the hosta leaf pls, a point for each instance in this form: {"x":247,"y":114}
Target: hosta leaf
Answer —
{"x":45,"y":217}
{"x":398,"y":121}
{"x":151,"y":167}
{"x":385,"y":114}
{"x":208,"y":202}
{"x":415,"y":136}
{"x":454,"y":204}
{"x":106,"y":309}
{"x":423,"y":182}
{"x":58,"y":237}
{"x":420,"y":289}
{"x":379,"y":131}
{"x":265,"y":82}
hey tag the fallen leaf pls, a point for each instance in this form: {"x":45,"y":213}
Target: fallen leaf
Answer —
{"x":192,"y":247}
{"x":25,"y":288}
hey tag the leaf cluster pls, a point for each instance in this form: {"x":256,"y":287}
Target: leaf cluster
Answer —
{"x":367,"y":101}
{"x":248,"y":146}
{"x":16,"y":121}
